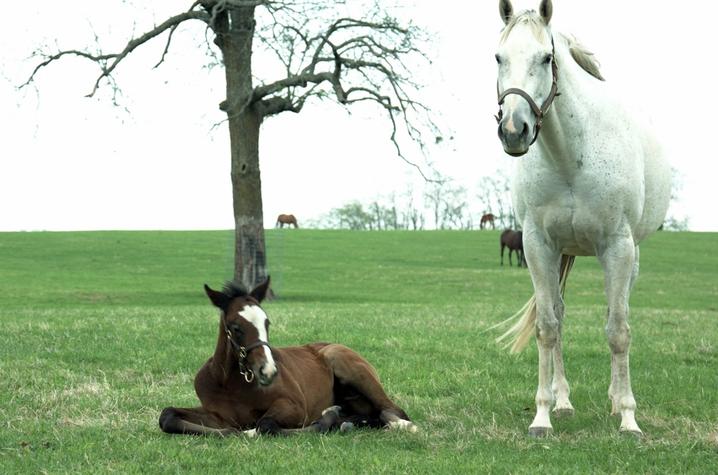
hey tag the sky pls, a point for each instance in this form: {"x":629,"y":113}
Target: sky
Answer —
{"x":160,"y":160}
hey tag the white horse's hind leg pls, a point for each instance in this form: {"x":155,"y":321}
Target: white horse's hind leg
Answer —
{"x":619,"y":264}
{"x":559,"y":387}
{"x":612,"y":394}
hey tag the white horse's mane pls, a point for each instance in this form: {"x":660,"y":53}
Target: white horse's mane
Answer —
{"x":579,"y":53}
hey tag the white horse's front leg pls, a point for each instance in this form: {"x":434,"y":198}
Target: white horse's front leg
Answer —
{"x":544,"y":266}
{"x":619,"y":265}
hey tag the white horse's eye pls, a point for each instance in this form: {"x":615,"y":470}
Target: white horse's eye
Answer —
{"x":498,"y":59}
{"x":547,"y":59}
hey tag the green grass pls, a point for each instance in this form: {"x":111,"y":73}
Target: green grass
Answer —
{"x":100,"y":331}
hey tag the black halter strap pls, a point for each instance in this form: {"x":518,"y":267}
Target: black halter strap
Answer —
{"x":539,"y":112}
{"x":243,"y":352}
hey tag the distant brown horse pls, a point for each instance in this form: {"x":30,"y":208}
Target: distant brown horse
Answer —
{"x":249,"y":387}
{"x":288,"y":219}
{"x":487,"y":218}
{"x":514,"y":241}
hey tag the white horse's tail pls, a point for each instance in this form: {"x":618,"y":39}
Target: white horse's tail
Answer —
{"x":520,"y":333}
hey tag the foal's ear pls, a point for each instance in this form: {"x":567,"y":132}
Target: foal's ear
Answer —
{"x":260,"y":291}
{"x":219,"y":299}
{"x":546,"y":10}
{"x":506,"y":10}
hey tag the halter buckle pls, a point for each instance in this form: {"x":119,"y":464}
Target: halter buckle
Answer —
{"x":248,"y":375}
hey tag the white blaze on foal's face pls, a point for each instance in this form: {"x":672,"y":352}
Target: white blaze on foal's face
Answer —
{"x":258,"y":319}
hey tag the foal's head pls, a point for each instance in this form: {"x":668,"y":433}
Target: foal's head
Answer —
{"x":526,"y":75}
{"x":246,"y":326}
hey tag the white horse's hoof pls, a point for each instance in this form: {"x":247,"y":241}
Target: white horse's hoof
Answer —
{"x":540,"y":432}
{"x":563,"y":412}
{"x":631,"y":433}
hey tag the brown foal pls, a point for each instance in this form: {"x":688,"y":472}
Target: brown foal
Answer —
{"x":252,"y":388}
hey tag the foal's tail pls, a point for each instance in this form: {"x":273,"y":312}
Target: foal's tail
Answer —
{"x":520,"y":333}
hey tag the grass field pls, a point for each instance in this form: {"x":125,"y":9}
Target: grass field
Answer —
{"x":100,"y":331}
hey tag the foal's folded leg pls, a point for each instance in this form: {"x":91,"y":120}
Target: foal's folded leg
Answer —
{"x":353,"y":370}
{"x":329,"y":421}
{"x":193,"y":421}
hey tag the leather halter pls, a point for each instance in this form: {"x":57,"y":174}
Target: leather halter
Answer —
{"x":243,"y":352}
{"x":539,"y":112}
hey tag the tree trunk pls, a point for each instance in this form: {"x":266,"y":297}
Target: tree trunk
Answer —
{"x":234,"y":37}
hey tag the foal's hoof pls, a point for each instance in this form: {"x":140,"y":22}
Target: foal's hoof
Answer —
{"x":346,"y":427}
{"x":334,"y":409}
{"x":563,"y":412}
{"x":402,"y":424}
{"x":539,"y":432}
{"x":329,"y":420}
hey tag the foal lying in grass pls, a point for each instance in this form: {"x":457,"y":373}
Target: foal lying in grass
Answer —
{"x":252,"y":388}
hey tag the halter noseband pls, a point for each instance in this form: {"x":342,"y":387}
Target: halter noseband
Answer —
{"x":243,"y":352}
{"x":539,"y":112}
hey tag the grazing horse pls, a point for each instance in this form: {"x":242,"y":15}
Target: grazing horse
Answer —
{"x":252,"y":388}
{"x":594,"y":183}
{"x":287,"y":219}
{"x":487,"y":218}
{"x":512,"y":240}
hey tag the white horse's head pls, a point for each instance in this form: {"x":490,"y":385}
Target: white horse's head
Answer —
{"x":526,"y":77}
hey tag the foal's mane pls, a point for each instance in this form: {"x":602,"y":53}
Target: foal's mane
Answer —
{"x":579,"y":53}
{"x":234,"y":290}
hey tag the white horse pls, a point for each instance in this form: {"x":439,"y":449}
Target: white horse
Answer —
{"x":594,"y":184}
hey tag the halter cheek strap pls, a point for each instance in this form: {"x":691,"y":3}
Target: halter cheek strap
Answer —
{"x":243,"y":352}
{"x":539,"y":112}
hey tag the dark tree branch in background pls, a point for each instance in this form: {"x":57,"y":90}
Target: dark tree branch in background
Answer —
{"x":108,"y":62}
{"x":353,"y":61}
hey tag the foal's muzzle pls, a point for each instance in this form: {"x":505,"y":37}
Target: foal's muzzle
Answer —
{"x":266,"y":378}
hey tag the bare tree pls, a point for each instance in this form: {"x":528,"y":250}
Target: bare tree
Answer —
{"x":433,"y":198}
{"x":447,"y":203}
{"x":495,"y":195}
{"x":324,"y":52}
{"x":350,"y":216}
{"x":412,"y":217}
{"x":456,"y":209}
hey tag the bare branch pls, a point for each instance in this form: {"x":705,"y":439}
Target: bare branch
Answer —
{"x":350,"y":60}
{"x":114,"y":59}
{"x":167,"y":47}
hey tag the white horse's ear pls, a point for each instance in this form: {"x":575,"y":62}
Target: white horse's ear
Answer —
{"x":546,"y":10}
{"x":506,"y":10}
